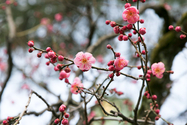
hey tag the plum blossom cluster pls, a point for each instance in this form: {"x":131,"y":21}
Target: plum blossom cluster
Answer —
{"x":154,"y":107}
{"x":9,"y":120}
{"x":7,"y":3}
{"x":84,"y":61}
{"x":178,"y":29}
{"x":130,"y":15}
{"x":157,"y":69}
{"x":116,"y":65}
{"x":65,"y":115}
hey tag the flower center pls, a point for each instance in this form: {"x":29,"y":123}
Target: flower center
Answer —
{"x":84,"y":60}
{"x":157,"y":70}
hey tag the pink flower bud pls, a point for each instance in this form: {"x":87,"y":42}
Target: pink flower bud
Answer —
{"x":56,"y":68}
{"x":125,"y":38}
{"x":124,"y":28}
{"x":141,"y":21}
{"x":129,"y":26}
{"x":111,"y":62}
{"x":143,"y":52}
{"x":60,"y":58}
{"x":109,"y":46}
{"x":127,"y":5}
{"x":134,"y":31}
{"x":178,"y":29}
{"x":149,"y":72}
{"x":46,"y":56}
{"x":62,"y":108}
{"x":66,"y":115}
{"x":118,"y":73}
{"x":142,"y":31}
{"x":57,"y":121}
{"x":182,"y":36}
{"x":48,"y":49}
{"x":112,"y":24}
{"x":120,"y":37}
{"x":111,"y":68}
{"x":129,"y":34}
{"x":171,"y":27}
{"x":156,"y":118}
{"x":157,"y":111}
{"x":47,"y":63}
{"x":111,"y":75}
{"x":116,"y":29}
{"x":30,"y":50}
{"x":30,"y":43}
{"x":39,"y":54}
{"x":65,"y":122}
{"x":107,"y":22}
{"x":154,"y":97}
{"x":117,"y":54}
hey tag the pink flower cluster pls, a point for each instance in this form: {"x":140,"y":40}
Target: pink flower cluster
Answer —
{"x":76,"y":86}
{"x":158,"y":69}
{"x":63,"y":75}
{"x":130,"y":14}
{"x":120,"y":63}
{"x":117,"y":65}
{"x":177,"y":29}
{"x":65,"y":121}
{"x":84,"y":61}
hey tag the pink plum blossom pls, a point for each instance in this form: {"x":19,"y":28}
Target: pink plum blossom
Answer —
{"x":158,"y":69}
{"x":84,"y":61}
{"x":131,"y":15}
{"x":76,"y":86}
{"x":120,"y":63}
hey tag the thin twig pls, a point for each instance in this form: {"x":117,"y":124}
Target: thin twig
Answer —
{"x":25,"y":110}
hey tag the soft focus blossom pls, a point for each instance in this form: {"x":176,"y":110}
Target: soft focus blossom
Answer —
{"x":25,"y":86}
{"x":131,"y":15}
{"x":100,"y":58}
{"x":45,"y":21}
{"x":84,"y":61}
{"x":50,"y":28}
{"x":58,"y":17}
{"x":158,"y":69}
{"x":76,"y":86}
{"x":120,"y":63}
{"x":3,"y":66}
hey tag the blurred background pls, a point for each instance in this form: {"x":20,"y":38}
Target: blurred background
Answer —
{"x":70,"y":26}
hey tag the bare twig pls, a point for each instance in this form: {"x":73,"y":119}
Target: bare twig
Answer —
{"x":49,"y":107}
{"x":25,"y":110}
{"x":116,"y":119}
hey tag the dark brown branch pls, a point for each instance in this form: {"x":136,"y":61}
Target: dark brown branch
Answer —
{"x":100,"y":41}
{"x":116,"y":119}
{"x":10,"y":66}
{"x":49,"y":107}
{"x":12,"y":31}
